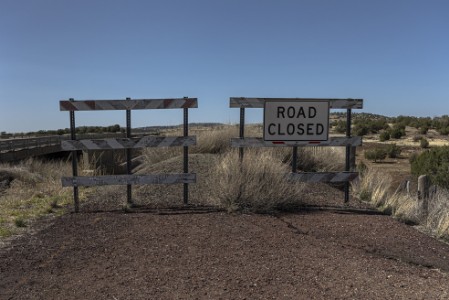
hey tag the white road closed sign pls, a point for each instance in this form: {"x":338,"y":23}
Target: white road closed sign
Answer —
{"x":296,"y":121}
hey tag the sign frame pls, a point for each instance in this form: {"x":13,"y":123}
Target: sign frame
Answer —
{"x":348,"y":141}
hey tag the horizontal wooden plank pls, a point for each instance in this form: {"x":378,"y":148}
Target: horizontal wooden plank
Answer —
{"x":260,"y":102}
{"x":259,"y":142}
{"x":86,"y":105}
{"x":332,"y":177}
{"x":127,"y":143}
{"x":171,"y":178}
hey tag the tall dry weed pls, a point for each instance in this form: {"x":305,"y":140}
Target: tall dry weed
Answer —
{"x":257,"y":184}
{"x":402,"y":206}
{"x":215,"y":140}
{"x":438,"y":218}
{"x":372,"y":186}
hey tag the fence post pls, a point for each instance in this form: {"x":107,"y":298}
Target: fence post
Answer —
{"x":186,"y":154}
{"x":423,"y":196}
{"x":241,"y":131}
{"x":128,"y":155}
{"x":348,"y":152}
{"x":294,"y":158}
{"x":74,"y":159}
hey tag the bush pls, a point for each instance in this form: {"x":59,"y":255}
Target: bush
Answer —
{"x":397,"y":133}
{"x":256,"y":184}
{"x":361,"y":130}
{"x":20,"y":222}
{"x":443,"y":131}
{"x":393,"y":151}
{"x":424,"y":143}
{"x":340,"y":126}
{"x":423,"y":130}
{"x":376,"y":154}
{"x":435,"y":164}
{"x":384,"y":136}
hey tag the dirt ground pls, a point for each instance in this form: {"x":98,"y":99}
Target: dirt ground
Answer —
{"x":201,"y":253}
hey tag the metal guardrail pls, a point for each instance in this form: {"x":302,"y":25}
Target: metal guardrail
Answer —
{"x":19,"y":144}
{"x":36,"y":142}
{"x":23,"y":148}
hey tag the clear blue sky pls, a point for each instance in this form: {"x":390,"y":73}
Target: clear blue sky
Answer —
{"x":393,"y":54}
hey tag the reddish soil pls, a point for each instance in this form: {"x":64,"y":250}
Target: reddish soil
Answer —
{"x":199,"y":253}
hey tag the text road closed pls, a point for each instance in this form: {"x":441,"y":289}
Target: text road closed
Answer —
{"x":296,"y":121}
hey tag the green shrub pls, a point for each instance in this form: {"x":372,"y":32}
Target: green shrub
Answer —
{"x":20,"y":222}
{"x":376,"y":154}
{"x":423,"y":130}
{"x":384,"y":136}
{"x":361,"y":130}
{"x":397,"y":133}
{"x":424,"y":143}
{"x":340,"y":126}
{"x":443,"y":130}
{"x":435,"y":164}
{"x":393,"y":151}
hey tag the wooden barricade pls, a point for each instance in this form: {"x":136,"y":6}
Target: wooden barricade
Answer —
{"x":128,"y":143}
{"x":348,"y":141}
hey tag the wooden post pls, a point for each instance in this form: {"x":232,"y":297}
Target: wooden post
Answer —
{"x":241,"y":131}
{"x":294,"y":159}
{"x":423,"y":196}
{"x":128,"y":156}
{"x":74,"y":159}
{"x":348,"y":159}
{"x":186,"y":153}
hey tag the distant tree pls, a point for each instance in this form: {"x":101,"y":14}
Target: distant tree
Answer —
{"x":434,"y":163}
{"x":424,"y":143}
{"x":397,"y":132}
{"x":340,"y":126}
{"x":423,"y":130}
{"x":384,"y":136}
{"x":393,"y":151}
{"x":360,"y":130}
{"x":443,"y":130}
{"x":376,"y":154}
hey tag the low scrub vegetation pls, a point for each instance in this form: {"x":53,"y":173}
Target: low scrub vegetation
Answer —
{"x":376,"y":154}
{"x":434,"y":163}
{"x":30,"y":190}
{"x":380,"y":153}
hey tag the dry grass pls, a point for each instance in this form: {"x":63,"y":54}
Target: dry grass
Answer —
{"x":438,"y":218}
{"x":156,"y":155}
{"x":34,"y":190}
{"x":215,"y":140}
{"x":257,"y":184}
{"x":373,"y":187}
{"x":319,"y":159}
